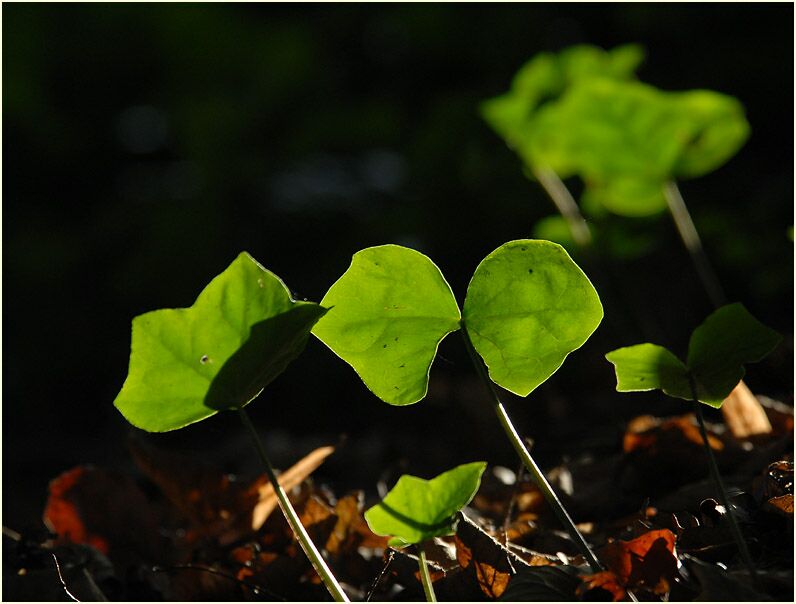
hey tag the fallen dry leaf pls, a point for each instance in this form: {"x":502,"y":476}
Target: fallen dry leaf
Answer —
{"x":105,"y":510}
{"x":648,"y":561}
{"x":492,"y":564}
{"x":604,"y":581}
{"x":289,"y":479}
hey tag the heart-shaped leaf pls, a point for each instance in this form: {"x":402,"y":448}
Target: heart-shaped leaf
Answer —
{"x":528,"y":306}
{"x":547,"y":75}
{"x":388,"y":313}
{"x":649,"y":367}
{"x":717,"y":352}
{"x":188,"y":363}
{"x":721,"y":345}
{"x":416,"y":509}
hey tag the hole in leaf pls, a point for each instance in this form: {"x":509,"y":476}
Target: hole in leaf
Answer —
{"x":204,"y":360}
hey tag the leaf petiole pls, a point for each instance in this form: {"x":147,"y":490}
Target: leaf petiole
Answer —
{"x":714,"y":470}
{"x":425,"y":577}
{"x":541,"y":481}
{"x":317,"y":561}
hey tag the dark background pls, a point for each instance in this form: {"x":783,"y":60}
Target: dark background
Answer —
{"x":144,"y":146}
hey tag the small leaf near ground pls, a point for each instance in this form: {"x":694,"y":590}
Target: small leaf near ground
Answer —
{"x":717,"y":352}
{"x":416,"y":509}
{"x":721,"y":345}
{"x":388,"y":313}
{"x":188,"y":363}
{"x":527,"y":307}
{"x":649,"y":367}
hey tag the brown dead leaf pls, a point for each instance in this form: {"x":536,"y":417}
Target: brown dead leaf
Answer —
{"x":217,"y":505}
{"x":648,"y":433}
{"x":605,"y":581}
{"x":782,"y":505}
{"x":105,"y":510}
{"x":289,"y":479}
{"x":649,"y":561}
{"x":491,"y":564}
{"x":351,"y":531}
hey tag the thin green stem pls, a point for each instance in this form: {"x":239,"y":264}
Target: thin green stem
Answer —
{"x":519,"y":446}
{"x":693,"y":244}
{"x":714,"y":471}
{"x":565,"y":204}
{"x":425,"y":577}
{"x":293,"y":520}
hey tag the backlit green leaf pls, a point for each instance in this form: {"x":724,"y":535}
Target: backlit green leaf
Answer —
{"x":649,"y":367}
{"x":388,"y":313}
{"x":416,"y":509}
{"x":188,"y":363}
{"x":721,"y":345}
{"x":717,"y":352}
{"x":625,"y":139}
{"x":528,"y":306}
{"x":547,"y":75}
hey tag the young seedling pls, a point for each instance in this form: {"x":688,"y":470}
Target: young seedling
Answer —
{"x":417,"y":510}
{"x":187,"y":364}
{"x":629,"y":143}
{"x":717,"y":352}
{"x":527,"y":307}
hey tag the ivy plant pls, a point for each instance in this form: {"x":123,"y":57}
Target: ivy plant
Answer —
{"x":417,"y":510}
{"x":187,"y":364}
{"x":582,"y":112}
{"x":717,"y":352}
{"x":527,"y":307}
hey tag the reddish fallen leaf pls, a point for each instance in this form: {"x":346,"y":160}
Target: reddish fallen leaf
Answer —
{"x":218,"y":505}
{"x":605,"y":581}
{"x":782,"y":505}
{"x":105,"y":510}
{"x":650,"y":433}
{"x":649,"y":561}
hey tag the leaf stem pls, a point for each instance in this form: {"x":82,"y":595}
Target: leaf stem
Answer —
{"x":425,"y":577}
{"x":714,"y":471}
{"x":541,"y":481}
{"x":693,"y":244}
{"x":565,"y":204}
{"x":293,"y":520}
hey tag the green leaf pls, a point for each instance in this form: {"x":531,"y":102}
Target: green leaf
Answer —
{"x":649,"y":367}
{"x":721,"y":345}
{"x":717,"y":352}
{"x":547,"y":75}
{"x":388,"y":313}
{"x":416,"y":509}
{"x":625,"y":139}
{"x":714,"y":127}
{"x":528,"y":306}
{"x":188,"y":363}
